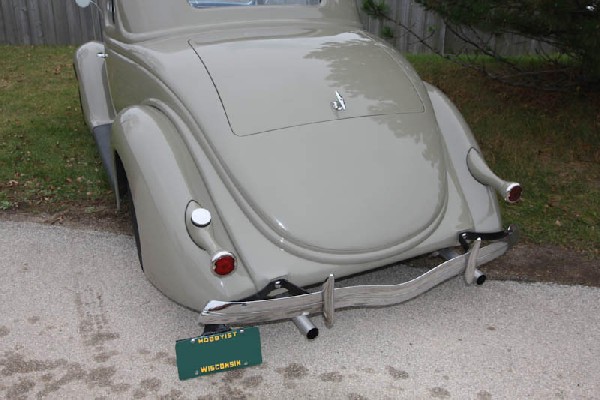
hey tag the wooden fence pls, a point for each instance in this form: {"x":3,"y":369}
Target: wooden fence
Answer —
{"x":421,"y":23}
{"x":47,"y":22}
{"x":417,"y":30}
{"x":61,"y":22}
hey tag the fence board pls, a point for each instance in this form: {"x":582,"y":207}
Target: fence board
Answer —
{"x":21,"y":20}
{"x":404,"y":16}
{"x":73,"y":22}
{"x":61,"y":22}
{"x":438,"y":34}
{"x":47,"y":20}
{"x":35,"y":22}
{"x":411,"y":17}
{"x":89,"y":26}
{"x":417,"y":24}
{"x":2,"y":28}
{"x":8,"y":13}
{"x":83,"y":22}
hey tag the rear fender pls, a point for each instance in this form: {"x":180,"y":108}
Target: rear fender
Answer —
{"x":162,"y":185}
{"x":459,"y":140}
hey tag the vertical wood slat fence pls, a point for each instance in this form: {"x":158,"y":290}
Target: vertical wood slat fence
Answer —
{"x":422,"y":23}
{"x":47,"y":22}
{"x":428,"y":27}
{"x":62,"y":22}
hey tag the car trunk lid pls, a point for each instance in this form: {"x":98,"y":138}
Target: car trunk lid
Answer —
{"x":343,"y":187}
{"x":267,"y":83}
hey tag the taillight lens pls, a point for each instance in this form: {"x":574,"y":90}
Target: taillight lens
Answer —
{"x":514,"y":193}
{"x":224,"y":264}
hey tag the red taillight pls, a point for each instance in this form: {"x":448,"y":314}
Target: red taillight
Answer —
{"x":514,"y":193}
{"x":224,"y":264}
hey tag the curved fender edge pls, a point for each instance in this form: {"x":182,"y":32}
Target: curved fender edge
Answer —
{"x":149,"y":147}
{"x":459,"y":140}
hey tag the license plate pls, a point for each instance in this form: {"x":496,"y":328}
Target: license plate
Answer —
{"x":219,"y":352}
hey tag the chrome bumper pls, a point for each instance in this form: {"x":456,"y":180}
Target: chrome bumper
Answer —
{"x":329,"y":299}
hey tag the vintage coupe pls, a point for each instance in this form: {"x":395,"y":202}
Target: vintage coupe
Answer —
{"x":270,"y":145}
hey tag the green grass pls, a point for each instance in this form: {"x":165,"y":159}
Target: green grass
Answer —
{"x":48,"y":159}
{"x":550,"y":143}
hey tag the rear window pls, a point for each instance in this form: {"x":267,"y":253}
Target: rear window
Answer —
{"x":233,"y":3}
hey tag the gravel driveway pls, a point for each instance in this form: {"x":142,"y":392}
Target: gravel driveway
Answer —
{"x":79,"y":320}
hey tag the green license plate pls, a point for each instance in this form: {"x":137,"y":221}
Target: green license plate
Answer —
{"x":219,"y":352}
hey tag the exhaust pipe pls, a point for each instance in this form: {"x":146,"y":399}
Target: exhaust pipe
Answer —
{"x":510,"y":191}
{"x":306,"y":327}
{"x":448,"y":254}
{"x":480,"y":277}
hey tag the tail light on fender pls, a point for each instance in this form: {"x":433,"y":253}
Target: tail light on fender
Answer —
{"x":198,"y":223}
{"x":223,"y":263}
{"x":510,"y":191}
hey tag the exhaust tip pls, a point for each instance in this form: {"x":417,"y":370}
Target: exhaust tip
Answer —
{"x":312,"y":334}
{"x":306,"y":327}
{"x":480,"y":277}
{"x":481,"y":280}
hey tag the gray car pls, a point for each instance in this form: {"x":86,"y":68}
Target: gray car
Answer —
{"x":271,"y":145}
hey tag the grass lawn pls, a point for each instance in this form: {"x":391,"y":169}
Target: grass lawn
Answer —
{"x":48,"y":159}
{"x":548,"y":142}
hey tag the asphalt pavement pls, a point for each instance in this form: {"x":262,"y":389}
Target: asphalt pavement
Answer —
{"x":78,"y":320}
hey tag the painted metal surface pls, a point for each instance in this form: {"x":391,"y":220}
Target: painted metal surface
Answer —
{"x":292,"y":65}
{"x":96,"y":103}
{"x":480,"y":171}
{"x":229,"y":111}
